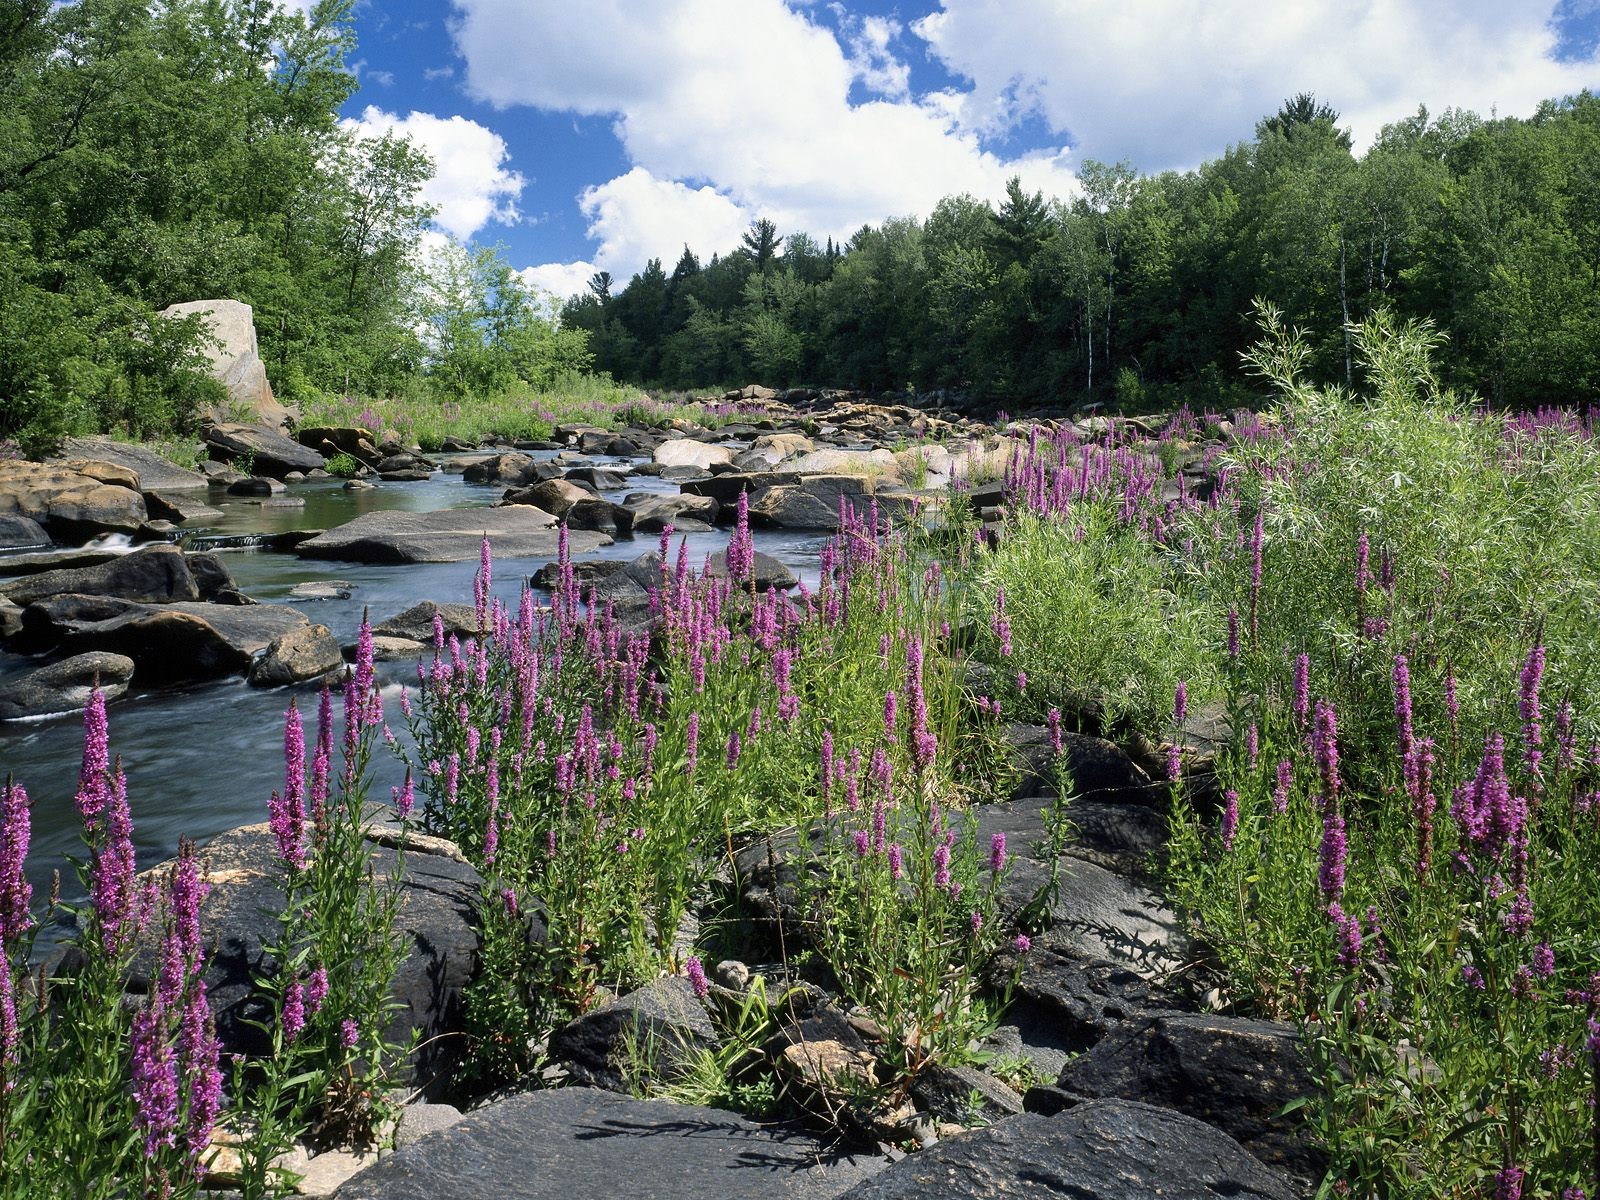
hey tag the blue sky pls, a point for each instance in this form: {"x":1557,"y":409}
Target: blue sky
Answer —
{"x":600,"y":133}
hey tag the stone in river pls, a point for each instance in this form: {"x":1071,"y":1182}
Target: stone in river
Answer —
{"x":64,"y":686}
{"x":449,"y":535}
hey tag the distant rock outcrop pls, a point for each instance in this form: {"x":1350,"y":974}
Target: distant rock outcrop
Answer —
{"x":236,"y":361}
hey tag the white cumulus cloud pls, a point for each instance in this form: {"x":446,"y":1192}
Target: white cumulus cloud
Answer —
{"x":1167,"y":83}
{"x":745,"y":106}
{"x":473,"y":183}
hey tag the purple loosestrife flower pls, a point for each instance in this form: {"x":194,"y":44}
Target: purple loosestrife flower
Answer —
{"x":1230,"y":818}
{"x":316,"y":990}
{"x":923,"y":743}
{"x":1252,"y":745}
{"x":863,"y":843}
{"x":1301,"y":704}
{"x":1508,"y":1183}
{"x":694,"y":969}
{"x":293,"y":1018}
{"x":827,"y":764}
{"x":1023,"y":943}
{"x":198,"y":1058}
{"x":1347,"y":931}
{"x":1325,"y":749}
{"x":896,"y":861}
{"x":1280,"y":793}
{"x":997,"y":853}
{"x":111,"y":870}
{"x":1233,"y":633}
{"x":1331,"y":854}
{"x":481,"y":583}
{"x":889,"y":709}
{"x":1528,"y":706}
{"x":735,"y":747}
{"x":94,"y":785}
{"x":1180,"y":710}
{"x":349,"y":1033}
{"x":1401,"y":676}
{"x":1054,"y":723}
{"x":16,"y":893}
{"x":941,"y":865}
{"x":287,"y":814}
{"x":405,"y":798}
{"x":8,"y":1023}
{"x":155,"y":1079}
{"x":741,"y":555}
{"x":1543,"y":961}
{"x":1363,"y":557}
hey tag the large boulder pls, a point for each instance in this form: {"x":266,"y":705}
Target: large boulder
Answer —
{"x":235,"y":360}
{"x":153,"y":472}
{"x":1108,"y":1150}
{"x":653,"y":513}
{"x":415,"y":624}
{"x":833,"y":461}
{"x":64,"y":686}
{"x":154,"y":574}
{"x":686,"y":452}
{"x":21,"y":533}
{"x":448,"y":535}
{"x":305,"y":652}
{"x":769,"y":573}
{"x":436,"y":924}
{"x":813,"y":502}
{"x":169,"y":643}
{"x":1233,"y":1073}
{"x":69,"y":504}
{"x":555,"y":496}
{"x":579,"y":1142}
{"x":512,"y":470}
{"x":654,"y":1030}
{"x":266,"y":451}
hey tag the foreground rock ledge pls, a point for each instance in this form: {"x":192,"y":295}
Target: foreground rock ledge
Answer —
{"x":578,"y":1142}
{"x":447,"y":535}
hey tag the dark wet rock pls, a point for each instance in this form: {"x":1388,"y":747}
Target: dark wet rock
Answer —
{"x":304,"y":653}
{"x":155,"y":574}
{"x":416,"y":623}
{"x":267,"y":452}
{"x":168,"y":643}
{"x":657,"y":1027}
{"x":585,"y":572}
{"x":15,"y":566}
{"x":811,"y":503}
{"x":578,"y":1142}
{"x":600,"y":516}
{"x":70,"y":504}
{"x":598,"y":478}
{"x":1099,"y":770}
{"x":154,"y":472}
{"x":329,"y":440}
{"x":22,"y":533}
{"x":964,"y":1095}
{"x":555,"y":496}
{"x":511,"y":470}
{"x":436,"y":923}
{"x":256,"y":485}
{"x":769,"y":572}
{"x":212,"y":577}
{"x":1121,"y":837}
{"x":652,"y":513}
{"x":322,"y":589}
{"x":447,"y":535}
{"x":725,"y":489}
{"x":179,"y":507}
{"x":1077,"y":1000}
{"x":1107,"y":1150}
{"x":64,"y":686}
{"x":1235,"y":1074}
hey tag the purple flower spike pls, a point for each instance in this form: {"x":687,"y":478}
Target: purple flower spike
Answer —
{"x":94,"y":785}
{"x":1230,"y":818}
{"x":997,"y":853}
{"x":696,"y":973}
{"x":15,"y":891}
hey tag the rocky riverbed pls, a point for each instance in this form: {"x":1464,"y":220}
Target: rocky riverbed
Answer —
{"x":200,"y":598}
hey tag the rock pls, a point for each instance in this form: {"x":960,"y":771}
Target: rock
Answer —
{"x":306,"y":652}
{"x":834,"y":461}
{"x":1235,"y":1074}
{"x":321,"y":1174}
{"x":1100,"y":770}
{"x":1107,"y":1150}
{"x":448,"y":535}
{"x":321,"y":589}
{"x":154,"y":574}
{"x":267,"y":452}
{"x":256,"y":485}
{"x":555,"y":496}
{"x":811,"y":503}
{"x":212,"y":577}
{"x":598,"y":478}
{"x":169,"y":643}
{"x":686,"y":452}
{"x":419,"y":1119}
{"x":725,"y":489}
{"x":660,"y":1023}
{"x":578,"y":1142}
{"x":394,"y":649}
{"x":21,"y":533}
{"x":10,"y":619}
{"x":512,"y":470}
{"x":965,"y":1095}
{"x":416,"y":623}
{"x":600,"y":516}
{"x":327,"y":440}
{"x":436,"y":923}
{"x":179,"y":507}
{"x":775,"y":447}
{"x":1075,"y":1002}
{"x":769,"y":572}
{"x":236,"y":359}
{"x":64,"y":686}
{"x":69,"y":504}
{"x":652,"y":513}
{"x":152,"y":471}
{"x":103,"y":472}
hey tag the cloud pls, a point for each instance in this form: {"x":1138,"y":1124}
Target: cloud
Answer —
{"x":1168,"y":83}
{"x":749,"y":97}
{"x":472,"y":184}
{"x":433,"y":73}
{"x":382,"y":78}
{"x":637,"y":217}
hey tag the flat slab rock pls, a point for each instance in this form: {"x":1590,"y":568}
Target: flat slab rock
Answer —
{"x":1105,"y":1150}
{"x":449,"y":535}
{"x":577,"y":1142}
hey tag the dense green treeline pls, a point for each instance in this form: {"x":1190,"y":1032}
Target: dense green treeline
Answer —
{"x":1140,"y":289}
{"x":157,"y":152}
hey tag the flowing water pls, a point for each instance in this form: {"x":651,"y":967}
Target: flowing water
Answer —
{"x":203,"y":759}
